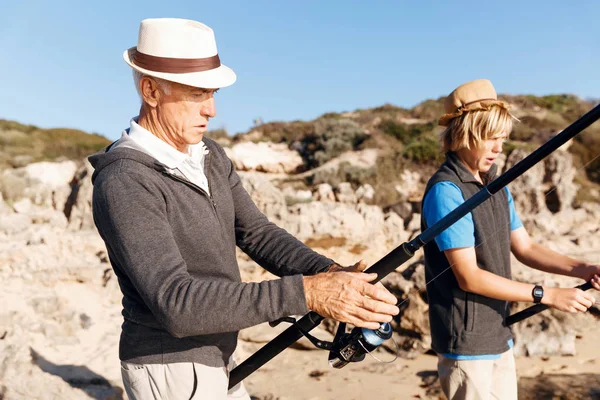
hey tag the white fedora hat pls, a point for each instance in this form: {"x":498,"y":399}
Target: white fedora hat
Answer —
{"x":179,"y":50}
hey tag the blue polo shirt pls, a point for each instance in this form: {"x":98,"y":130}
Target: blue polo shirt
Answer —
{"x":441,"y":199}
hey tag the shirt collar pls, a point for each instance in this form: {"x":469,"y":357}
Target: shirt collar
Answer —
{"x":464,"y":174}
{"x":160,"y":150}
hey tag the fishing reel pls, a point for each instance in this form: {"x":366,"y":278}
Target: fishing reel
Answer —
{"x":347,"y":347}
{"x":354,"y":346}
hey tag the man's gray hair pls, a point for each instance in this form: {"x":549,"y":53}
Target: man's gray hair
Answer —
{"x":164,"y":85}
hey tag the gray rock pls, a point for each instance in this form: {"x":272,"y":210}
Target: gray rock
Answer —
{"x":403,"y":209}
{"x":14,"y":223}
{"x":345,"y":194}
{"x":549,"y":333}
{"x":548,"y":186}
{"x":415,"y":223}
{"x":85,"y":320}
{"x":527,"y":190}
{"x":324,"y":193}
{"x":560,"y":173}
{"x":4,"y":208}
{"x":269,"y":199}
{"x":365,"y":194}
{"x":78,"y":205}
{"x":22,"y":206}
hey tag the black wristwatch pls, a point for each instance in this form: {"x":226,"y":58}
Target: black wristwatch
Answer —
{"x":537,"y":293}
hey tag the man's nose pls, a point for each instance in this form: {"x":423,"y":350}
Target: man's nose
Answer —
{"x":208,"y":108}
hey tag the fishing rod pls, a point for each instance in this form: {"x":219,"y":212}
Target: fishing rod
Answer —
{"x":355,"y":343}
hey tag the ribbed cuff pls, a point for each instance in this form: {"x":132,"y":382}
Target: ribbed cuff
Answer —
{"x":294,"y":299}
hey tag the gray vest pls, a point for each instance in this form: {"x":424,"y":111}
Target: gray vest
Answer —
{"x":463,"y":322}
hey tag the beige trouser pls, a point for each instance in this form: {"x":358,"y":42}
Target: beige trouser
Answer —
{"x":185,"y":381}
{"x":479,"y":379}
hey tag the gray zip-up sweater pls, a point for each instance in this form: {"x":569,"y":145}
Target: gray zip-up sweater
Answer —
{"x":463,"y":322}
{"x":172,"y":247}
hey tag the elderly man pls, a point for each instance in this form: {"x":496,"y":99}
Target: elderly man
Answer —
{"x":171,"y":210}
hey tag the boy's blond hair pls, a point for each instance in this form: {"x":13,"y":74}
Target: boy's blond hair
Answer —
{"x":471,"y":128}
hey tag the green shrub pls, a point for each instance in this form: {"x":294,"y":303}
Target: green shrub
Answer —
{"x":6,"y":125}
{"x":405,"y":133}
{"x":331,"y":115}
{"x":534,"y":130}
{"x":395,"y":129}
{"x":329,"y":139}
{"x":555,"y":102}
{"x":285,"y":132}
{"x":70,"y":143}
{"x":569,"y":107}
{"x":388,"y":109}
{"x":424,"y":150}
{"x":429,"y":110}
{"x":344,"y":172}
{"x":26,"y":142}
{"x":526,"y":128}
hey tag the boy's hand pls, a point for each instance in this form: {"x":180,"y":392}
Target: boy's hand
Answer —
{"x":590,"y":273}
{"x":568,"y":299}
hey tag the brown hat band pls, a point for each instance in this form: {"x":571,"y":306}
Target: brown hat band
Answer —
{"x":473,"y":102}
{"x":175,"y":65}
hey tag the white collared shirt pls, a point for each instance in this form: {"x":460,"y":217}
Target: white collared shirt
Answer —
{"x":189,"y":166}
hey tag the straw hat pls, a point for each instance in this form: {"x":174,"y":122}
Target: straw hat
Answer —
{"x":179,"y":50}
{"x":475,"y":95}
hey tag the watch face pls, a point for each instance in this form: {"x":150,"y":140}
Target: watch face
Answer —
{"x":538,"y":292}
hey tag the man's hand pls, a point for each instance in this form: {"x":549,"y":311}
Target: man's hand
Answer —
{"x":568,"y":299}
{"x":349,"y":297}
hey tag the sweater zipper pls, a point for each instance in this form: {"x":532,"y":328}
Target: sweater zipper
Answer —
{"x":208,"y":180}
{"x":202,"y":191}
{"x":212,"y":200}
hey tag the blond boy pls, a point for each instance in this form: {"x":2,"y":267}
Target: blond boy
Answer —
{"x":468,"y":306}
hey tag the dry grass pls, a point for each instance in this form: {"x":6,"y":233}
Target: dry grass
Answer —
{"x":22,"y":144}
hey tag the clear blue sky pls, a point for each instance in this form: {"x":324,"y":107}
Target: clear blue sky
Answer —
{"x":61,"y":63}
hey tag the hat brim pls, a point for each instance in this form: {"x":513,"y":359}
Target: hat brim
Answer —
{"x":219,"y":77}
{"x":480,"y":105}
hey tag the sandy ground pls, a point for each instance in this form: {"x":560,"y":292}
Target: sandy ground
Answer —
{"x":48,"y":318}
{"x":301,"y":374}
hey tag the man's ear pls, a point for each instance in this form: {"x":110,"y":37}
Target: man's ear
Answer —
{"x":150,"y":91}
